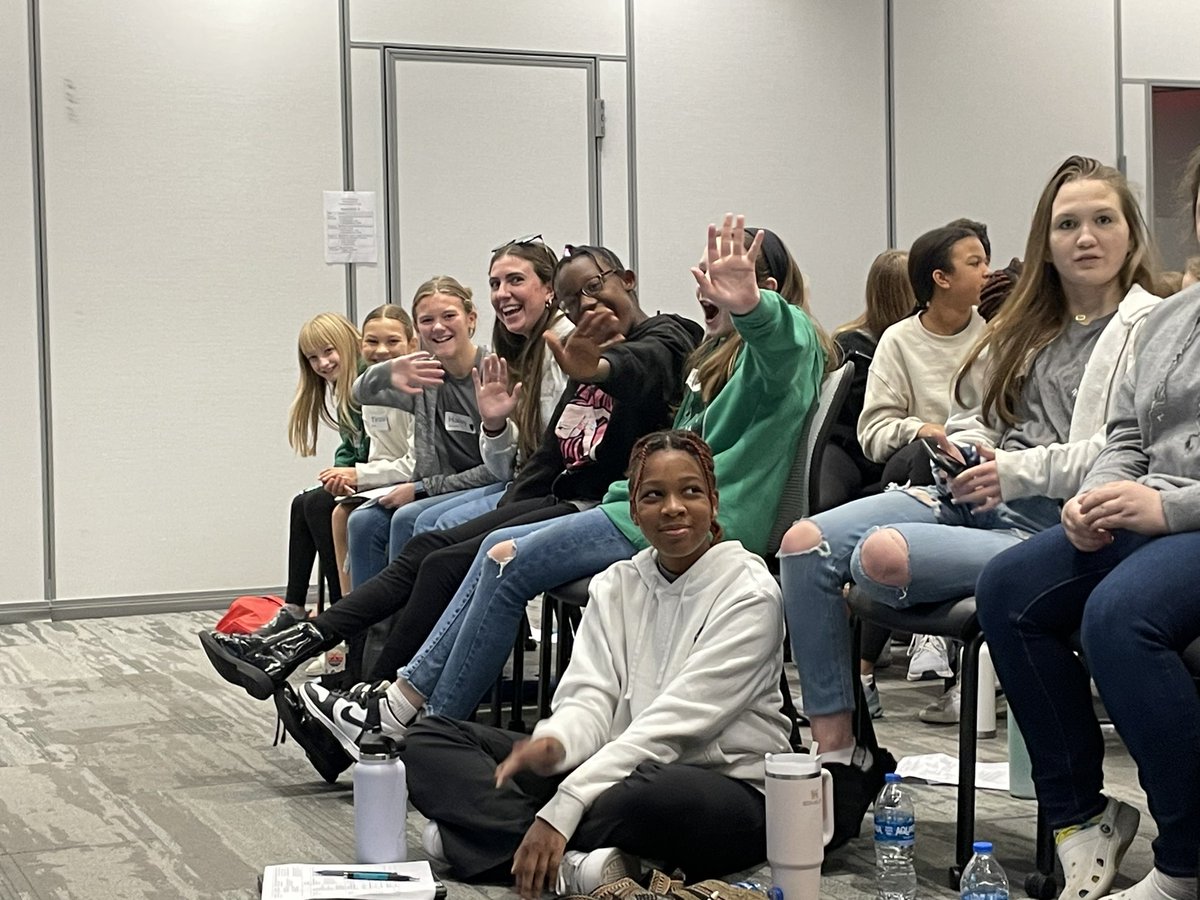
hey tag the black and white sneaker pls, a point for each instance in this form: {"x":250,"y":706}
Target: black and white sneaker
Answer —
{"x":348,"y":715}
{"x":322,"y":749}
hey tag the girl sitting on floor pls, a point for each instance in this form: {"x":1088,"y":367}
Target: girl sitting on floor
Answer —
{"x":661,"y":722}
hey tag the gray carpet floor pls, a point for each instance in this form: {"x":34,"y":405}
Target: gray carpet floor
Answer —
{"x":128,"y":769}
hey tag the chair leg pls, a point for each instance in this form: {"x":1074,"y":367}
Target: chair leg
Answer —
{"x":1042,"y":884}
{"x":516,"y":721}
{"x":965,"y":835}
{"x":545,"y":651}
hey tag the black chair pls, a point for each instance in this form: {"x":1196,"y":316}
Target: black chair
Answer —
{"x":800,"y":497}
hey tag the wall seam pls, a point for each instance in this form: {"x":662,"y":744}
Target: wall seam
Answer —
{"x":889,"y":121}
{"x":631,"y":135}
{"x":348,"y":144}
{"x":45,"y":413}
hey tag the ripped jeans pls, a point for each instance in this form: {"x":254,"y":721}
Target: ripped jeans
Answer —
{"x":948,"y":546}
{"x":468,"y":647}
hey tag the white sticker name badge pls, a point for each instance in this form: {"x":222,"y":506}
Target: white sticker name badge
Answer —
{"x":378,"y":421}
{"x":459,"y":422}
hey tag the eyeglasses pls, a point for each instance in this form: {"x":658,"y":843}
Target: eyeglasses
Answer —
{"x":524,"y":239}
{"x":591,"y":288}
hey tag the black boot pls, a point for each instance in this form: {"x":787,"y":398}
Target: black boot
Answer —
{"x":322,"y":748}
{"x":284,"y":618}
{"x":261,"y":665}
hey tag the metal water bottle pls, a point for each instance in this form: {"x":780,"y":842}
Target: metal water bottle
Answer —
{"x":380,"y":802}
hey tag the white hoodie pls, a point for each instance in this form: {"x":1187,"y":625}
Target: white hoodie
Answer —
{"x":674,"y":672}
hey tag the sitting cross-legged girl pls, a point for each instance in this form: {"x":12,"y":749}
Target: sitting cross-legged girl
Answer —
{"x":661,"y":722}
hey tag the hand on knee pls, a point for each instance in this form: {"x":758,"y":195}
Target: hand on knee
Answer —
{"x":884,"y":558}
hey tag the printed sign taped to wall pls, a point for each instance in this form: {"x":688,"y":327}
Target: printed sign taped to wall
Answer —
{"x":350,"y":233}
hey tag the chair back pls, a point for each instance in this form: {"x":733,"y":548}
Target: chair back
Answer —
{"x":801,"y":492}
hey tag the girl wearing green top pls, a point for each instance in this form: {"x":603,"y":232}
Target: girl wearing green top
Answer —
{"x":754,"y":379}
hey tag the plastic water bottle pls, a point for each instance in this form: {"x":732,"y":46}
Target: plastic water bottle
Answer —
{"x":895,"y":832}
{"x":983,"y":878}
{"x":380,"y":802}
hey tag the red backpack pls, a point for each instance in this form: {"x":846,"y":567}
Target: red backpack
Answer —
{"x":249,"y":613}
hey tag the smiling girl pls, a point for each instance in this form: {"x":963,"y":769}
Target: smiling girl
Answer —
{"x":660,"y":723}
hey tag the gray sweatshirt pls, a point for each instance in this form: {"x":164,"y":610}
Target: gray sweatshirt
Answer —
{"x":1154,"y":431}
{"x":445,"y":427}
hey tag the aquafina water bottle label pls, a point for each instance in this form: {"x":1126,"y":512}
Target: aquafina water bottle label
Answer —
{"x":897,"y":831}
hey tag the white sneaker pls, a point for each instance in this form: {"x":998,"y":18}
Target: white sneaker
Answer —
{"x":947,"y":709}
{"x":431,"y":843}
{"x":929,"y":658}
{"x":1090,"y":857}
{"x":582,"y":873}
{"x":328,"y":663}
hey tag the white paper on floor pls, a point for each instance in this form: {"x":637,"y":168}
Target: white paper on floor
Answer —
{"x":941,"y":768}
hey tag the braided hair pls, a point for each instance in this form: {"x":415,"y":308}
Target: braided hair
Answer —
{"x":676,"y":439}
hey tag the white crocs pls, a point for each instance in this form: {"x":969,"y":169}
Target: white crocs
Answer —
{"x":1091,"y":856}
{"x":1157,"y":886}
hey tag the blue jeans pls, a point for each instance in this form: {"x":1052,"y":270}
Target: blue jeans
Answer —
{"x":948,"y":546}
{"x":1136,"y":606}
{"x":377,"y":535}
{"x":469,"y":505}
{"x":470,"y":643}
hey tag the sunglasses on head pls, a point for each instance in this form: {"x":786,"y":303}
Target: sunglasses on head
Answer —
{"x":516,"y":242}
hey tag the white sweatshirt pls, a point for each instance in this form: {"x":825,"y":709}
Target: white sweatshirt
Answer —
{"x":1057,"y":470}
{"x":909,"y":383}
{"x":391,"y":458}
{"x":684,"y":671}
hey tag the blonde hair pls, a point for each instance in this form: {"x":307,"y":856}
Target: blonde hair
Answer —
{"x":311,"y":404}
{"x":1035,"y":312}
{"x":715,"y":358}
{"x":889,"y":295}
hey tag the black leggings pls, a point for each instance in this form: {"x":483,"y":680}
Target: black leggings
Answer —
{"x":311,"y":535}
{"x":422,"y":581}
{"x":684,"y":816}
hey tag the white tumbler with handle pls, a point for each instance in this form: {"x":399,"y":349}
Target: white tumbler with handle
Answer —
{"x":799,"y":822}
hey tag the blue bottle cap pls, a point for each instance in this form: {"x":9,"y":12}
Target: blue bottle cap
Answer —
{"x":891,"y":778}
{"x":982,"y":846}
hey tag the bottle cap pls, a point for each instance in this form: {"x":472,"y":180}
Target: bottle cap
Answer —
{"x":982,"y":846}
{"x":377,"y":745}
{"x":892,"y":778}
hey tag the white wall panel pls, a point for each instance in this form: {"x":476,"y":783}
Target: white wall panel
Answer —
{"x":772,"y":109}
{"x":558,"y":26}
{"x":1158,"y":39}
{"x":20,"y":447}
{"x":614,"y":159}
{"x":187,"y":146}
{"x":366,"y":78}
{"x":990,"y":98}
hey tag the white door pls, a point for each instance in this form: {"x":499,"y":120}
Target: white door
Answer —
{"x":484,"y":148}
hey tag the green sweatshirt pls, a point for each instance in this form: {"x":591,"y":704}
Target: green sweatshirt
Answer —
{"x":753,"y":424}
{"x":355,"y":447}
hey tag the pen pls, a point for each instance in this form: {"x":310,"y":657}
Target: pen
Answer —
{"x":365,"y":875}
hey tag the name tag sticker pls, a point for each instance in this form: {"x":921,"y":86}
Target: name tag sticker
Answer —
{"x":459,"y":422}
{"x":379,"y":421}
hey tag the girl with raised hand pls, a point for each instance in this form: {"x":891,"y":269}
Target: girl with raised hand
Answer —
{"x":329,"y":356}
{"x":1034,"y":406}
{"x":626,"y":377}
{"x":661,"y":721}
{"x":1122,"y":570}
{"x":752,"y":384}
{"x":446,"y":430}
{"x":520,"y":280}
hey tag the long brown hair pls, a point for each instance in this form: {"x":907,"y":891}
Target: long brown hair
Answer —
{"x":715,"y":358}
{"x":890,"y":296}
{"x":1035,"y":312}
{"x":526,"y":356}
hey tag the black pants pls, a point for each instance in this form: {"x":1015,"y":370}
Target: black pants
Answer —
{"x":422,"y":581}
{"x":908,"y":464}
{"x":695,"y":819}
{"x":310,"y":535}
